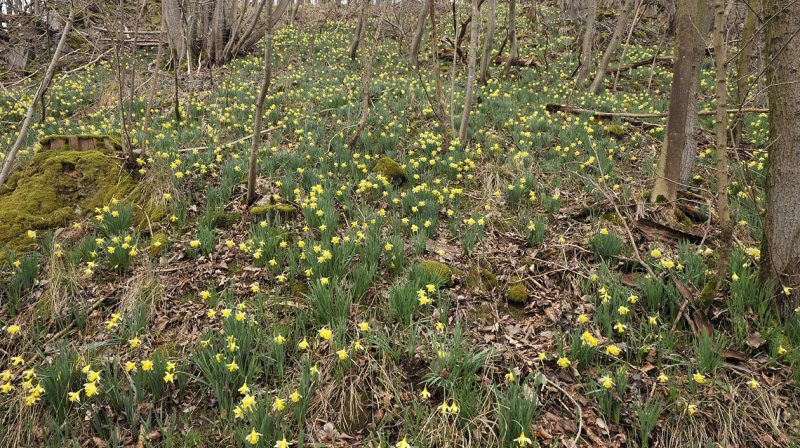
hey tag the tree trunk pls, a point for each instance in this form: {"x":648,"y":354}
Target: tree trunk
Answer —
{"x":171,"y":11}
{"x":444,"y":129}
{"x":360,"y":27}
{"x":743,"y":66}
{"x":473,"y":49}
{"x":622,"y":22}
{"x":720,"y":55}
{"x":705,"y":21}
{"x":294,"y":11}
{"x":512,"y":36}
{"x":588,"y":41}
{"x":43,"y":85}
{"x":413,"y":51}
{"x":780,"y":254}
{"x":672,"y":151}
{"x":251,"y":175}
{"x":488,"y":42}
{"x":366,"y":76}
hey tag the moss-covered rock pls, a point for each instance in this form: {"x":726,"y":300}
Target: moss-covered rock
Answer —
{"x":158,"y":243}
{"x":286,"y":211}
{"x":518,"y":293}
{"x":58,"y":186}
{"x":615,"y":130}
{"x":440,"y":271}
{"x":392,"y":170}
{"x":227,"y":220}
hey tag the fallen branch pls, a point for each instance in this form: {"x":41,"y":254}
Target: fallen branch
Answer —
{"x":577,"y":111}
{"x":532,"y":61}
{"x":640,"y":64}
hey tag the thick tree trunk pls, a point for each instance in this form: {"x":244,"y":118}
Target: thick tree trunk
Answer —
{"x":43,"y":85}
{"x":512,"y":36}
{"x":259,"y":118}
{"x":780,"y":254}
{"x":588,"y":41}
{"x":171,"y":11}
{"x":744,"y":63}
{"x":489,"y":41}
{"x":672,"y":151}
{"x":413,"y":51}
{"x":705,"y":22}
{"x":473,"y":49}
{"x":720,"y":56}
{"x":622,"y":22}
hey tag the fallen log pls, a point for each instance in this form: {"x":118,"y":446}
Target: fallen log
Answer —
{"x":552,"y":107}
{"x":640,"y":64}
{"x":532,"y":61}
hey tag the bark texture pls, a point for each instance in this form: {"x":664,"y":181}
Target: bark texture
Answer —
{"x":413,"y":51}
{"x":512,"y":36}
{"x":780,"y":255}
{"x":473,"y":49}
{"x":673,"y":151}
{"x":259,"y":114}
{"x":743,"y":66}
{"x":720,"y":56}
{"x":588,"y":41}
{"x":489,"y":41}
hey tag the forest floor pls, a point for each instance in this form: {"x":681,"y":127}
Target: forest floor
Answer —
{"x":517,"y":286}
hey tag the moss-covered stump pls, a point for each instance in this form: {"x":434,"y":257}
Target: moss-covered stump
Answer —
{"x":391,"y":170}
{"x":81,"y":142}
{"x":518,"y":294}
{"x":285,"y":211}
{"x":57,"y":187}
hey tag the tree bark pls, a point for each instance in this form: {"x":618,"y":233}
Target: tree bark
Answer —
{"x":720,"y":55}
{"x":366,"y":76}
{"x":171,"y":11}
{"x":251,"y":175}
{"x":437,"y":77}
{"x":622,"y":22}
{"x":780,"y":254}
{"x":705,"y":21}
{"x":489,"y":41}
{"x":413,"y":51}
{"x":512,"y":36}
{"x":672,"y":151}
{"x":588,"y":41}
{"x":473,"y":49}
{"x":744,"y":63}
{"x":360,"y":27}
{"x":43,"y":85}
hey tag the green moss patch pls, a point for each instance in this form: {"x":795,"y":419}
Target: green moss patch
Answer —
{"x":392,"y":170}
{"x":57,"y":187}
{"x":518,"y":294}
{"x":286,"y":211}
